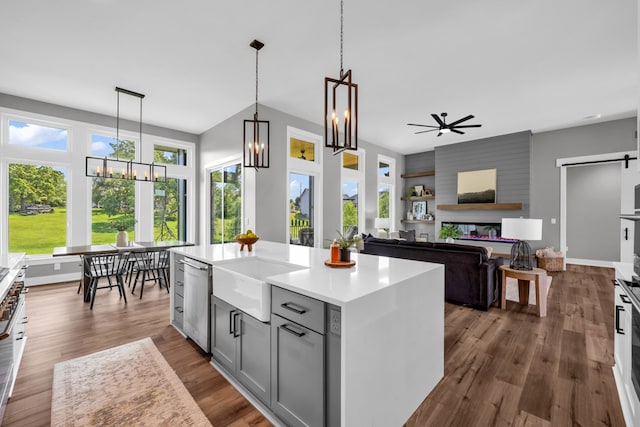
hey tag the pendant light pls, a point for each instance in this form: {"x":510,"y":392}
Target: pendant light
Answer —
{"x":106,"y":167}
{"x":341,"y":106}
{"x":255,"y":151}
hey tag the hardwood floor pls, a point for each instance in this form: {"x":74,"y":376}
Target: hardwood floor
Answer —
{"x":501,"y":367}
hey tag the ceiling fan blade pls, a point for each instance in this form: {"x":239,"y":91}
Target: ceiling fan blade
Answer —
{"x":423,"y":131}
{"x":464,"y":119}
{"x":457,"y":131}
{"x":439,"y":133}
{"x":468,"y":126}
{"x":438,"y":120}
{"x":425,"y":126}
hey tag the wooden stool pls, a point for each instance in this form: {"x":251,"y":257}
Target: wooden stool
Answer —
{"x":524,"y":277}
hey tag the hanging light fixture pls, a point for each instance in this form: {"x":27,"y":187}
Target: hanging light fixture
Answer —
{"x":106,"y":167}
{"x":341,"y":95}
{"x":255,"y":151}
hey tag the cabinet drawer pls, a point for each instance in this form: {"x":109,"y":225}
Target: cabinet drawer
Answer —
{"x":298,"y":308}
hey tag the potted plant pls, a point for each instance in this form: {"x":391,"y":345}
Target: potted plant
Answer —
{"x":449,"y":232}
{"x":345,"y":244}
{"x":123,"y":224}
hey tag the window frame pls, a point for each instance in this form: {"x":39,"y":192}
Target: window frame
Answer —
{"x":391,"y":182}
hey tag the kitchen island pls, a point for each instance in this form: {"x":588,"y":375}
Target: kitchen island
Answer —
{"x":389,"y":324}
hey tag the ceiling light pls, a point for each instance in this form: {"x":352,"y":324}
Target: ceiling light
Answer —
{"x":255,"y":153}
{"x":341,"y":107}
{"x":107,"y":167}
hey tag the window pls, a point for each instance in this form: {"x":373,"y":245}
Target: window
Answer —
{"x":301,"y":209}
{"x":304,"y":183}
{"x":226,"y":203}
{"x":386,"y":188}
{"x":352,"y":191}
{"x":169,"y":210}
{"x":303,"y":150}
{"x":37,"y":208}
{"x":36,"y":136}
{"x":169,"y":155}
{"x":111,"y":199}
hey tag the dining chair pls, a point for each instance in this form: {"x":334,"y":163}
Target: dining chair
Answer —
{"x":151,"y":266}
{"x":105,"y":266}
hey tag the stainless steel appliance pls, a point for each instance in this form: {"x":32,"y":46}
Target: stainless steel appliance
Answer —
{"x":197,"y":295}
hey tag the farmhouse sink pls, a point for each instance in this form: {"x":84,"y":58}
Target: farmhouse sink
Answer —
{"x":243,"y":283}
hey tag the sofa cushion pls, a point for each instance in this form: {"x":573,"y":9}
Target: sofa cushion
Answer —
{"x":466,"y":248}
{"x":416,"y":244}
{"x":409,"y":235}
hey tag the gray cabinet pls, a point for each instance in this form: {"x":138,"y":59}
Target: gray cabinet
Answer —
{"x":297,"y":364}
{"x":241,"y":344}
{"x":305,"y":359}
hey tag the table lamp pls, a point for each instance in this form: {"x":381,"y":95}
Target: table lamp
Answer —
{"x":522,"y":229}
{"x":382,"y":224}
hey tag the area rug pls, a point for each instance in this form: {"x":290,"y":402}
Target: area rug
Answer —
{"x":513,"y":293}
{"x":128,"y":385}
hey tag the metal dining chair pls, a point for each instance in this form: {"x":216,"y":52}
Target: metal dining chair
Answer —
{"x":105,"y":266}
{"x":151,"y":266}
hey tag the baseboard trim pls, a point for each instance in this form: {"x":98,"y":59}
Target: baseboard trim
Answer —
{"x":591,"y":262}
{"x":47,"y":280}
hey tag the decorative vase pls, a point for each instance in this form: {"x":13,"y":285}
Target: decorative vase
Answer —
{"x":449,"y":239}
{"x":122,"y":238}
{"x":345,"y":255}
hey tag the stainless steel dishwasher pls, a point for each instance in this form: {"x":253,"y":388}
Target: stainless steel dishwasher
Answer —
{"x":197,"y":294}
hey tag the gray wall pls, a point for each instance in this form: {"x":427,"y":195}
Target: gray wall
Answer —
{"x":224,"y":140}
{"x":546,"y":147}
{"x":508,"y":154}
{"x":38,"y":107}
{"x":593,"y":206}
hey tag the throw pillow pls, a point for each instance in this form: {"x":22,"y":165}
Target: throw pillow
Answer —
{"x":409,"y":236}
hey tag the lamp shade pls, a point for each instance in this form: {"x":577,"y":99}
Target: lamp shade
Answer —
{"x":522,"y":228}
{"x":382,"y":223}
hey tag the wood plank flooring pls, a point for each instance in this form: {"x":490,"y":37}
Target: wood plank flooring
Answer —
{"x":502,"y":368}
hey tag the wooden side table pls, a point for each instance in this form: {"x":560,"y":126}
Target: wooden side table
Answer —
{"x":524,"y":277}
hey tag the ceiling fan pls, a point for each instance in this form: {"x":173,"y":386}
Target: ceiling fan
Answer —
{"x":443,"y":127}
{"x":302,"y":154}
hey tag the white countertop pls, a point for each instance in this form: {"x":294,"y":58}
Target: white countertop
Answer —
{"x":337,"y":286}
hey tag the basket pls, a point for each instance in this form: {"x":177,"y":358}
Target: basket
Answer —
{"x":550,"y":263}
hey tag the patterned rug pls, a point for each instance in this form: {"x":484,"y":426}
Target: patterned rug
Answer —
{"x":128,"y":385}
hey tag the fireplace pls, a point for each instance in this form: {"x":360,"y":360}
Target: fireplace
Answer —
{"x":480,"y":231}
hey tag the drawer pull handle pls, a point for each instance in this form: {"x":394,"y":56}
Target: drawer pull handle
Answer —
{"x":619,"y":330}
{"x":179,"y":309}
{"x":20,"y":337}
{"x":625,"y":299}
{"x":236,"y":331}
{"x":291,"y":307}
{"x":291,"y":331}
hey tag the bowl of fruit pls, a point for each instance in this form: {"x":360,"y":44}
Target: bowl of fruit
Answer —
{"x":248,"y":238}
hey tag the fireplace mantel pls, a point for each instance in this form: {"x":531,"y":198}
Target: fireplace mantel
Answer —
{"x":480,"y":206}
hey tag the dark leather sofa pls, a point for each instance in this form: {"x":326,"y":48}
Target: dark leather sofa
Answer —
{"x":470,"y":278}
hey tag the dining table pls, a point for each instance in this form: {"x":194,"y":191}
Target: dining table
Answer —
{"x":89,"y":250}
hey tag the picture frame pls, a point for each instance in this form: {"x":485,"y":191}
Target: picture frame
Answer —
{"x":477,"y":186}
{"x":419,"y":209}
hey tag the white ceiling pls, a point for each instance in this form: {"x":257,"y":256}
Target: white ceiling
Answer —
{"x":515,"y":65}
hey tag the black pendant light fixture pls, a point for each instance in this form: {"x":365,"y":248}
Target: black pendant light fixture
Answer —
{"x":255,"y":151}
{"x":341,"y":106}
{"x":106,"y":167}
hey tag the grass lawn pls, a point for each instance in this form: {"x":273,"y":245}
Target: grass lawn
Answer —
{"x":39,"y":234}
